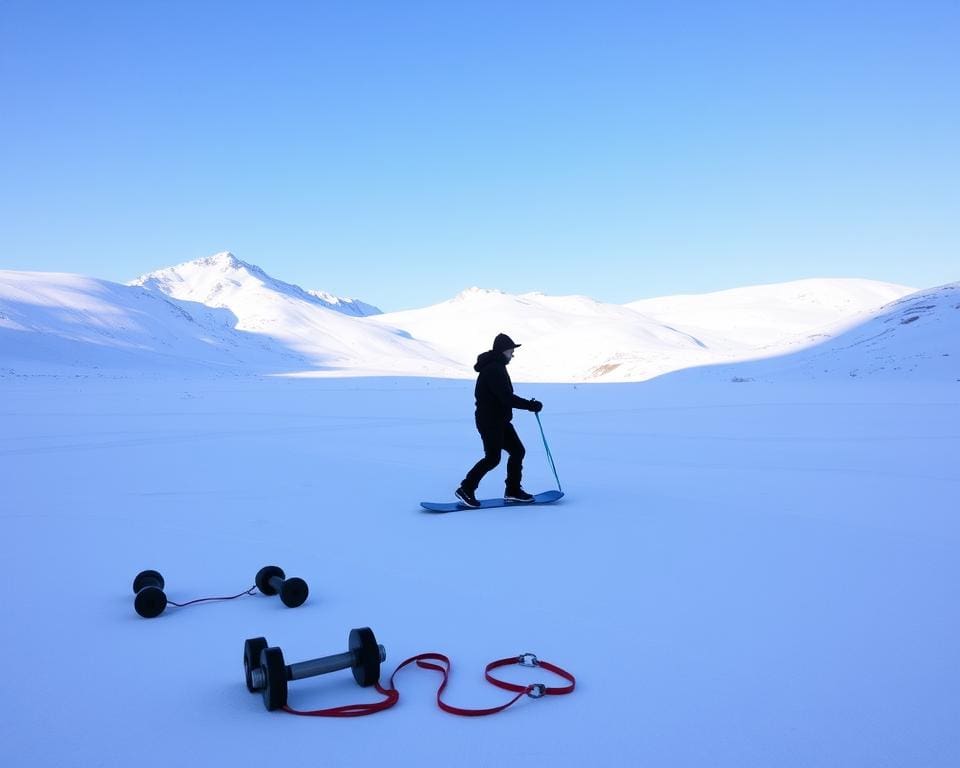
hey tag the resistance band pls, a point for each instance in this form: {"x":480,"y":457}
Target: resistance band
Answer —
{"x":437,"y":662}
{"x":250,"y":591}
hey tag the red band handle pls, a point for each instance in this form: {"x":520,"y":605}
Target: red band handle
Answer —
{"x":545,"y":691}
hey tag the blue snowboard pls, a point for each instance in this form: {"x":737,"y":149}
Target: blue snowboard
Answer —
{"x":452,"y":506}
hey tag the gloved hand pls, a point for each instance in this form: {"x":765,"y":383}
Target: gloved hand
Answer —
{"x":535,"y":405}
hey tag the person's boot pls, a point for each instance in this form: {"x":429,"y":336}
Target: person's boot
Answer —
{"x":466,"y":497}
{"x":517,"y":494}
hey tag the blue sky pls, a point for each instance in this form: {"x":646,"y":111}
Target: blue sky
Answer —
{"x":401,"y":151}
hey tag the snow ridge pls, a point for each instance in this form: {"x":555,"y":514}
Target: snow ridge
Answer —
{"x":210,"y":279}
{"x":221,"y":313}
{"x":912,"y":337}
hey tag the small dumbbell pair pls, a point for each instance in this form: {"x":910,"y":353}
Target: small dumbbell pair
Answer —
{"x":267,"y":672}
{"x":151,"y":600}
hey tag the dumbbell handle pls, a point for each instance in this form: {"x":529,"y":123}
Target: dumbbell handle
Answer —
{"x":313,"y":667}
{"x":326,"y":664}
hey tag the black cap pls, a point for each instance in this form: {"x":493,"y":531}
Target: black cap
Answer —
{"x":503,"y":342}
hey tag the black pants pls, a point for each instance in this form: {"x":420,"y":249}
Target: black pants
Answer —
{"x":497,"y":437}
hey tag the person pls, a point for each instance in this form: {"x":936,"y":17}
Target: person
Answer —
{"x":495,"y":404}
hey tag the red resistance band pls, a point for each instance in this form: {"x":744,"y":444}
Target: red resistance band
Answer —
{"x":440,"y":663}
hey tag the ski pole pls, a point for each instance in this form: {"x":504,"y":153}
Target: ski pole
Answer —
{"x":549,"y":455}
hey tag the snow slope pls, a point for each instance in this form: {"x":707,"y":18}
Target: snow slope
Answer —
{"x":575,"y":338}
{"x":224,"y":280}
{"x":740,"y":576}
{"x":764,"y":315}
{"x":564,"y":338}
{"x":217,"y":312}
{"x":224,"y":313}
{"x":914,"y":338}
{"x":346,"y":306}
{"x":299,"y":321}
{"x":55,"y":322}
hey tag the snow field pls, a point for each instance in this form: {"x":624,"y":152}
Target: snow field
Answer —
{"x":740,"y":574}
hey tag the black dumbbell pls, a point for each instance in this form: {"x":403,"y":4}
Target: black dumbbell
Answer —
{"x":150,"y":600}
{"x":271,"y":580}
{"x":266,"y":671}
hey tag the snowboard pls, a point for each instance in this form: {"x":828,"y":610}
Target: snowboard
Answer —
{"x":547,"y":497}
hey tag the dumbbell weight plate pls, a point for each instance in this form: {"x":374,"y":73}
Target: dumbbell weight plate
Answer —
{"x":294,"y":592}
{"x":144,"y":577}
{"x":150,"y":602}
{"x":263,"y":578}
{"x":275,"y":673}
{"x":367,"y":669}
{"x":251,"y":658}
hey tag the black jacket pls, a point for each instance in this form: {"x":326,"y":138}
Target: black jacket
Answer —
{"x":494,"y":390}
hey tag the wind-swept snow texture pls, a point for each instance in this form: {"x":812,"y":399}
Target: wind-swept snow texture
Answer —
{"x":741,"y":574}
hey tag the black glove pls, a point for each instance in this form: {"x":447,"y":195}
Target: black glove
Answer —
{"x":535,"y":405}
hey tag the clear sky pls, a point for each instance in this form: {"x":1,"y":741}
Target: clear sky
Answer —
{"x":400,"y":151}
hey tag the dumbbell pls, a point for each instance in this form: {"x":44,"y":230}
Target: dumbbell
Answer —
{"x":271,"y":580}
{"x":150,"y":600}
{"x":266,"y":671}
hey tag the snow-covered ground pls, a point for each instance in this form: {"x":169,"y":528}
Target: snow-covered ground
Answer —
{"x":761,"y":573}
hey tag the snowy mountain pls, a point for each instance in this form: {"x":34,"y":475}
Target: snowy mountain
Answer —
{"x":916,"y":336}
{"x":216,"y":314}
{"x":223,"y":280}
{"x":564,"y":338}
{"x":223,"y":314}
{"x":353,"y":307}
{"x":322,"y":329}
{"x":762,"y":315}
{"x":54,"y":321}
{"x":575,"y":338}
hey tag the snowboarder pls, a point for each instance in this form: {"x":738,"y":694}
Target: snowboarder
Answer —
{"x":495,"y":404}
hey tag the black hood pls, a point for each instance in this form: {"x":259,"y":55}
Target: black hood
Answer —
{"x":503,"y":342}
{"x":489,"y":357}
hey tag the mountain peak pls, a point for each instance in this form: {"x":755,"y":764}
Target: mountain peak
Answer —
{"x":225,"y":260}
{"x":221,"y":279}
{"x":221,"y":262}
{"x":224,"y":257}
{"x":475,"y":293}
